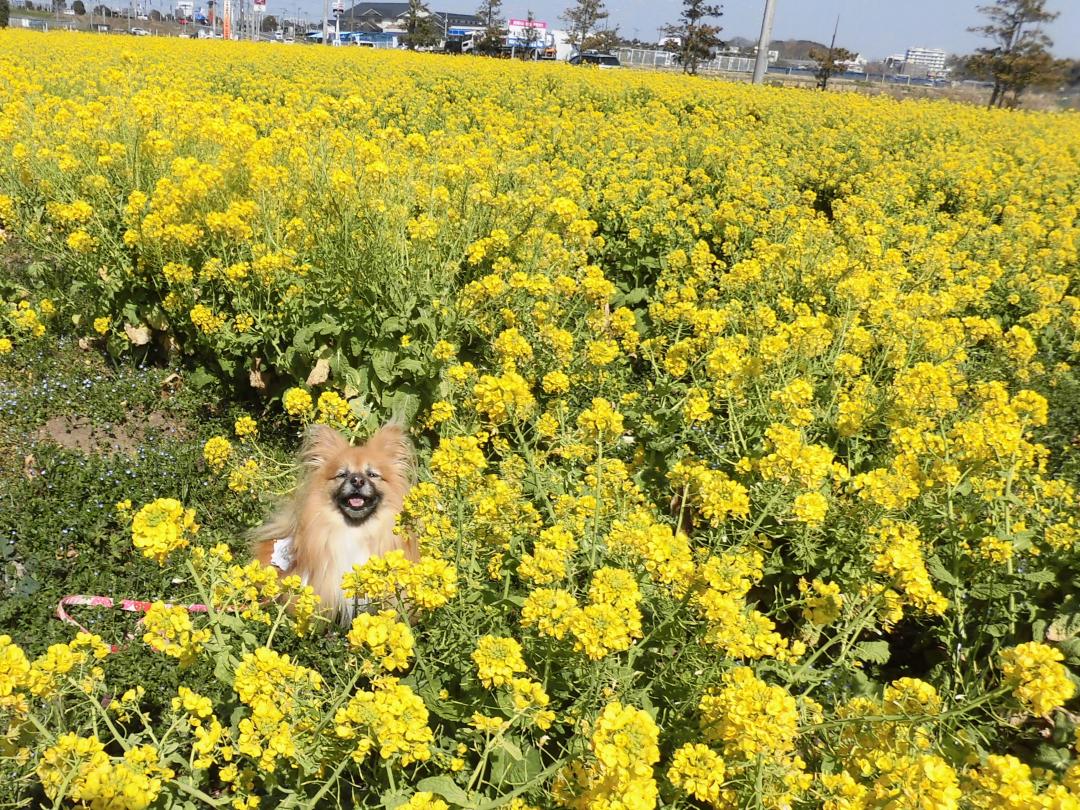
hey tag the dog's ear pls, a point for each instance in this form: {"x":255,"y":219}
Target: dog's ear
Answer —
{"x":321,"y":443}
{"x":391,"y":442}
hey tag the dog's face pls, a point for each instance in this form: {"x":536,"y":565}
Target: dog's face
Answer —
{"x":358,"y":481}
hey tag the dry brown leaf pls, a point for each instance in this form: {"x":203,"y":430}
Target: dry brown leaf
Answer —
{"x":256,"y":378}
{"x":138,"y":335}
{"x":319,"y":374}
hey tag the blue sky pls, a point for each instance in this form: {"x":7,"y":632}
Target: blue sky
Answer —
{"x":875,"y":28}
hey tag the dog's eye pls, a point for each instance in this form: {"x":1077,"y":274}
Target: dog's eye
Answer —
{"x":373,"y":474}
{"x":342,"y":474}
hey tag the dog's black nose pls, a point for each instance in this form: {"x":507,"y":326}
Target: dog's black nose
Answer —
{"x":362,"y":484}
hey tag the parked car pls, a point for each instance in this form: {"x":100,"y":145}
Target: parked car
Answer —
{"x":603,"y":60}
{"x":140,"y":32}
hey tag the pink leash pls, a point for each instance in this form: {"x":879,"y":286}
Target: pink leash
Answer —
{"x":130,"y":605}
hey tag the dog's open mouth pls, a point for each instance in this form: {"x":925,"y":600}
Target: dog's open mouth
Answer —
{"x":358,"y":507}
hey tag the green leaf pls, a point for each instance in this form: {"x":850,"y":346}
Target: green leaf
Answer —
{"x":382,"y":363}
{"x":507,"y":768}
{"x":989,"y":591}
{"x":1071,"y":650}
{"x":116,"y":345}
{"x":446,"y":787}
{"x":403,"y":405}
{"x":200,"y":378}
{"x":635,"y":296}
{"x":876,"y":652}
{"x":940,"y":572}
{"x":304,"y":339}
{"x":1064,"y":627}
{"x":392,"y":326}
{"x":358,"y":380}
{"x":511,"y":748}
{"x":1038,"y":630}
{"x":222,"y":671}
{"x":1042,"y":577}
{"x":1055,"y":759}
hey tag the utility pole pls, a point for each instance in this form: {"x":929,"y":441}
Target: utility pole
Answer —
{"x":325,"y":22}
{"x":761,"y":61}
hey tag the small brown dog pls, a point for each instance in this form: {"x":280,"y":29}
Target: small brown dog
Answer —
{"x":342,"y":513}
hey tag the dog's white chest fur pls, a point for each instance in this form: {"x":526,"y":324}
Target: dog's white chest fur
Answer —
{"x":340,"y":548}
{"x":283,"y":555}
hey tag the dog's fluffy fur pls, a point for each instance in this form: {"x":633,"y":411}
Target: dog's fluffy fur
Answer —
{"x":342,"y":513}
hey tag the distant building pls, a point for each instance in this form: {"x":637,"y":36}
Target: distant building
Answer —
{"x":856,"y":64}
{"x":387,"y":21}
{"x":735,"y":50}
{"x":919,"y":63}
{"x":933,"y":59}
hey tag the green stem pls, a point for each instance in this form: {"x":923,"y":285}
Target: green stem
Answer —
{"x":536,"y":780}
{"x":207,"y":600}
{"x":44,"y":730}
{"x":198,"y":794}
{"x":112,"y":729}
{"x":847,"y":639}
{"x":282,"y":610}
{"x":596,"y":508}
{"x":326,"y":785}
{"x":537,"y":483}
{"x":1009,"y":562}
{"x":329,"y":715}
{"x":909,"y":718}
{"x":492,"y":739}
{"x":763,"y":514}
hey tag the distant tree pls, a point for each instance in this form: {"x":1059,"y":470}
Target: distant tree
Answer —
{"x":697,"y":39}
{"x":1071,"y":73}
{"x":958,"y":66}
{"x":1019,"y":56}
{"x":490,"y":39}
{"x":829,"y":62}
{"x":5,"y":13}
{"x":531,"y":36}
{"x":79,"y":7}
{"x":269,"y":23}
{"x":606,"y":40}
{"x":582,"y":19}
{"x":420,"y":30}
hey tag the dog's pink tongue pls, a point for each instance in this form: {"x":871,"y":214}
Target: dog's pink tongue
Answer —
{"x":356,"y":503}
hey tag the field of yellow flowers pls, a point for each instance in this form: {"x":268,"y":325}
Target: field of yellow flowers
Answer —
{"x":747,"y":419}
